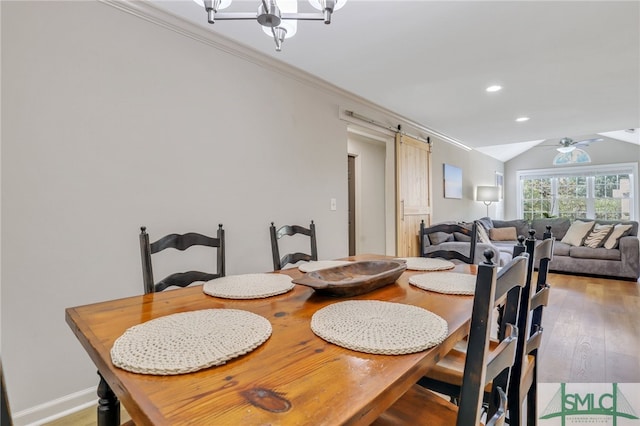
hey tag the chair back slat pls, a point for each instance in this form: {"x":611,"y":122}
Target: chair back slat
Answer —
{"x":500,"y":417}
{"x":534,"y":340}
{"x":541,"y":298}
{"x":183,"y":242}
{"x":503,"y":355}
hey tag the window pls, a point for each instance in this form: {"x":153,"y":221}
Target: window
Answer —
{"x":602,"y":192}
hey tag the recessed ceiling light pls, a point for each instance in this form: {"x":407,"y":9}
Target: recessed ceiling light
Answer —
{"x":494,"y":88}
{"x":521,"y":119}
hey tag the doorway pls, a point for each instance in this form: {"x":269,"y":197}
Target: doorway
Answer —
{"x":351,"y":179}
{"x":367,"y":193}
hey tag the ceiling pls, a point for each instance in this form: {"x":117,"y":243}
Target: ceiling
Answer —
{"x":572,"y":67}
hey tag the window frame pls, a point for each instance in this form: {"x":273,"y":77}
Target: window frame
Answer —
{"x":588,"y":171}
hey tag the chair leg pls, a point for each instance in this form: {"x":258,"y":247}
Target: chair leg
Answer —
{"x":108,"y":405}
{"x":532,"y":404}
{"x":515,"y":410}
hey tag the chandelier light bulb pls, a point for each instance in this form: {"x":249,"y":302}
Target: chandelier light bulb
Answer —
{"x":321,"y":4}
{"x":290,"y":26}
{"x":223,"y":3}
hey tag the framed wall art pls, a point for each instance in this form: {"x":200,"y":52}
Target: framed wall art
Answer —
{"x":452,"y":181}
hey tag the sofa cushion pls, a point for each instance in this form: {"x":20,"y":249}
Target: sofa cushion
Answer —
{"x":597,"y":236}
{"x":521,"y":225}
{"x":559,"y":226}
{"x":577,"y":233}
{"x":561,"y":249}
{"x":459,"y":236}
{"x":503,"y":234}
{"x":504,"y":246}
{"x":614,"y":237}
{"x":594,"y":253}
{"x":440,"y":237}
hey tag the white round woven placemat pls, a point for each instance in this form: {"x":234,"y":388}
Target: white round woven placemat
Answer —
{"x":378,"y":327}
{"x":427,"y":264}
{"x":248,"y":286}
{"x":445,"y":282}
{"x":321,"y":264}
{"x":189,"y":341}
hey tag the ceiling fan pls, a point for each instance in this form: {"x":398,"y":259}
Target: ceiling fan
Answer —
{"x":568,"y":144}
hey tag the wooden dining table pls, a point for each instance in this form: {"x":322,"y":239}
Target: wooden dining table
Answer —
{"x":294,"y":378}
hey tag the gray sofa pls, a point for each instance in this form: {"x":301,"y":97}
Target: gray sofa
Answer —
{"x":622,"y":261}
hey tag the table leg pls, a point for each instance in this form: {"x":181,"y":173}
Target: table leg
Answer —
{"x":108,"y":405}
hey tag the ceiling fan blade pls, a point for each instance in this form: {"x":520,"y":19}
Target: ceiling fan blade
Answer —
{"x":586,"y":142}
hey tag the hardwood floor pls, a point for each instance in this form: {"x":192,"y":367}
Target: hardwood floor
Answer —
{"x":591,"y":331}
{"x":591,"y":335}
{"x":86,"y":417}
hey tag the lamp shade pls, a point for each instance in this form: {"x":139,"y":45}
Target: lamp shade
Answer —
{"x":487,"y":193}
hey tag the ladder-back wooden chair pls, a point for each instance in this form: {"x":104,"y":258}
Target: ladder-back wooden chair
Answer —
{"x":279,"y":261}
{"x":447,"y":228}
{"x":446,"y":377}
{"x":5,"y":418}
{"x":482,"y":365}
{"x":524,"y":383}
{"x":179,"y":242}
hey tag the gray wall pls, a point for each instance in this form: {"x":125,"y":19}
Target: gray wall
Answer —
{"x":477,"y":169}
{"x":609,"y":151}
{"x":110,"y":122}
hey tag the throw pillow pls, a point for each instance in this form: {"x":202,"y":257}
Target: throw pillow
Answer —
{"x":597,"y":236}
{"x":482,"y":234}
{"x":440,"y":237}
{"x":521,"y":225}
{"x":503,"y":234}
{"x":614,"y":238}
{"x":577,"y":232}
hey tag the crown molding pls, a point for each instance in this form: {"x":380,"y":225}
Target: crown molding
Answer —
{"x":147,"y":11}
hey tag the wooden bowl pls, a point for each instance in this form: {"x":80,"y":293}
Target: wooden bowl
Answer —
{"x":354,"y":278}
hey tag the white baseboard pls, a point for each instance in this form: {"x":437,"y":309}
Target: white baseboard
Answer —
{"x":56,"y":409}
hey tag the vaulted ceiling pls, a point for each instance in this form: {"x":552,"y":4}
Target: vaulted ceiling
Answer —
{"x":571,"y":67}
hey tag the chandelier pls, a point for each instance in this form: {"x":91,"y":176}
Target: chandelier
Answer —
{"x":279,"y":18}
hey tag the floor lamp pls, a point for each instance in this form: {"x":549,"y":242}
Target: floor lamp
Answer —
{"x":487,"y":194}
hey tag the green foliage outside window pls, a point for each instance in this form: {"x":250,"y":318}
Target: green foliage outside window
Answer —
{"x":573,"y":197}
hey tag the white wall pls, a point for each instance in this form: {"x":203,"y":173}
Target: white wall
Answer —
{"x":609,"y":151}
{"x":110,"y":122}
